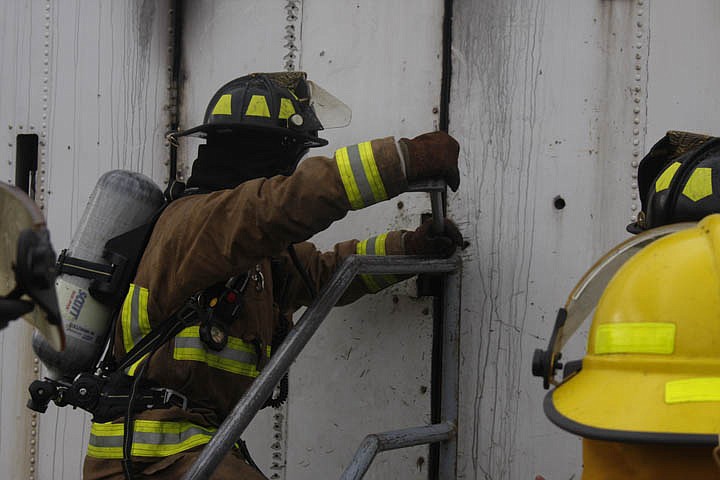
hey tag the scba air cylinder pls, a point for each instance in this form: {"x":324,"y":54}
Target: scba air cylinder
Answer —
{"x":120,"y":202}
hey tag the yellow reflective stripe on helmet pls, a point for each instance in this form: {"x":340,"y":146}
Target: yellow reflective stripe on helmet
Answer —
{"x":693,"y":390}
{"x":360,"y":175}
{"x":150,"y":438}
{"x":237,"y":357}
{"x":646,"y":337}
{"x":223,"y":106}
{"x":286,"y":108}
{"x":699,"y":185}
{"x":663,"y":181}
{"x":134,"y":316}
{"x":258,"y":107}
{"x":375,"y":246}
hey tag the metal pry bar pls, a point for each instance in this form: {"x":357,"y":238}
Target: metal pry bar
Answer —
{"x":435,"y":188}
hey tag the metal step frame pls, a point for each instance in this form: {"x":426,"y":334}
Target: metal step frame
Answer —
{"x":445,"y":431}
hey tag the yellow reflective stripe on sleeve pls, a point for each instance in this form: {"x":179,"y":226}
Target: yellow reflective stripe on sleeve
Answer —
{"x":286,"y":108}
{"x":646,"y":337}
{"x":348,"y":179}
{"x":375,"y":246}
{"x":134,"y":316}
{"x":360,"y":175}
{"x":371,"y":171}
{"x":663,"y":181}
{"x":699,"y":185}
{"x":258,"y":107}
{"x":150,"y":438}
{"x":693,"y":390}
{"x":223,"y":106}
{"x":380,"y":244}
{"x":237,"y":357}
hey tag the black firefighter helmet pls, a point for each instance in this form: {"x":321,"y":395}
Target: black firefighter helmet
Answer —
{"x":678,"y":180}
{"x":285,"y":104}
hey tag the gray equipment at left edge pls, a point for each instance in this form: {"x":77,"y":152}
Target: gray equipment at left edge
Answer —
{"x":27,"y":267}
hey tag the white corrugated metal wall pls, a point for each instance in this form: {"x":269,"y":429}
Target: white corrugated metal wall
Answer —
{"x":90,"y":79}
{"x":554,"y":99}
{"x":548,"y":99}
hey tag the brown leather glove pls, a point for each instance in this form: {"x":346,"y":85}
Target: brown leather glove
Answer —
{"x":432,"y":155}
{"x":424,"y":241}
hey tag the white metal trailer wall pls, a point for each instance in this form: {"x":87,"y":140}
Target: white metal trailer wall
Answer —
{"x":90,"y":79}
{"x":548,"y":99}
{"x":21,"y":112}
{"x":554,"y":99}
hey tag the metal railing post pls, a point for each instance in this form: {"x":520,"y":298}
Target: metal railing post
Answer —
{"x":450,"y":383}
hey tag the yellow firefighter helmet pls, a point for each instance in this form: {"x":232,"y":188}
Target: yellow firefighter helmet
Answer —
{"x":652,"y":369}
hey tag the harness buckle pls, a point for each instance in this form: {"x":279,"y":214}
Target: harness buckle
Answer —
{"x":171,"y":397}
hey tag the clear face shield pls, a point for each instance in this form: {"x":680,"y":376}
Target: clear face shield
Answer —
{"x":330,"y":111}
{"x":585,"y":296}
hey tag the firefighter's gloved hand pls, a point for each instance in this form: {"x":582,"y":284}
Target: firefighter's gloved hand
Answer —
{"x":432,"y":155}
{"x":424,"y":241}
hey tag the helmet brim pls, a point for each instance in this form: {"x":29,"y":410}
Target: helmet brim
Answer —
{"x":608,"y":401}
{"x":202,"y":131}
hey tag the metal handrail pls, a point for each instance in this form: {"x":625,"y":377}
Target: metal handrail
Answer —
{"x":253,"y":400}
{"x":263,"y":386}
{"x":380,"y":442}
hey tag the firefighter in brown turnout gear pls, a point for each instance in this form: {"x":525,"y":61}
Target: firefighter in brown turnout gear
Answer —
{"x":236,"y":242}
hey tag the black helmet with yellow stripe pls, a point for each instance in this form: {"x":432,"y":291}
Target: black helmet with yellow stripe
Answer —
{"x":678,"y":180}
{"x":280,"y":103}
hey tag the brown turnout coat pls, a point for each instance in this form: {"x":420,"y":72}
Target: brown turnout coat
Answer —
{"x":202,"y":240}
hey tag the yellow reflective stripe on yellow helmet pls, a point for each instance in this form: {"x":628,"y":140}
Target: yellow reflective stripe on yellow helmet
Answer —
{"x":646,"y":337}
{"x":150,"y":438}
{"x":360,"y":175}
{"x":237,"y":357}
{"x":286,"y":108}
{"x":348,"y":179}
{"x":134,"y":316}
{"x":258,"y":107}
{"x":699,"y":185}
{"x":663,"y":181}
{"x":223,"y":106}
{"x":375,"y":246}
{"x":693,"y":390}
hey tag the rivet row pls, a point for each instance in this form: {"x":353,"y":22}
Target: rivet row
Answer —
{"x":637,"y":101}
